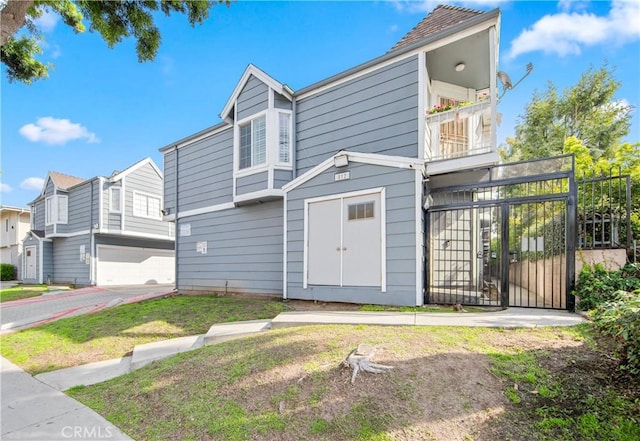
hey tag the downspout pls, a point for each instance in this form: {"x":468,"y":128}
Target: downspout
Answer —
{"x":92,"y":280}
{"x":176,"y":234}
{"x":293,"y":139}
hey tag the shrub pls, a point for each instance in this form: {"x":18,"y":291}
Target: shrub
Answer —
{"x":7,"y":272}
{"x":596,"y":285}
{"x":619,"y":318}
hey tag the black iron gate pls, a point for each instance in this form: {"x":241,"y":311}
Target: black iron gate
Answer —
{"x":505,"y":241}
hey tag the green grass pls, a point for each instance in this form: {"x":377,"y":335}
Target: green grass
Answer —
{"x":22,"y":292}
{"x":288,"y":384}
{"x":114,"y":332}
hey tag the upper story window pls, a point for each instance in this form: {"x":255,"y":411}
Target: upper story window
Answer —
{"x":115,"y":199}
{"x":253,"y":143}
{"x":146,"y":205}
{"x":56,"y":209}
{"x":284,"y":137}
{"x":264,"y":141}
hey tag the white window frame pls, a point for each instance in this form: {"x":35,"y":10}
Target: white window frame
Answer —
{"x":277,"y":128}
{"x":52,"y":205}
{"x":250,"y":121}
{"x":118,"y":209}
{"x":137,"y":194}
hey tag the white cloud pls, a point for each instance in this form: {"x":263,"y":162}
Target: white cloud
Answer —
{"x":32,"y":184}
{"x":567,"y":33}
{"x":56,"y":131}
{"x":5,"y":188}
{"x":392,"y":28}
{"x":47,"y":21}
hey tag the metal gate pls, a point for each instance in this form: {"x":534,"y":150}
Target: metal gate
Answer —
{"x":506,"y":241}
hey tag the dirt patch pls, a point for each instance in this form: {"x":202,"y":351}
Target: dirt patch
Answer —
{"x":290,"y":384}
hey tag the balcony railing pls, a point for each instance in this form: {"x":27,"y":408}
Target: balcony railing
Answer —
{"x":461,"y":131}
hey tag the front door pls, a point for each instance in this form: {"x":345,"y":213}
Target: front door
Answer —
{"x":30,"y":262}
{"x":345,"y":241}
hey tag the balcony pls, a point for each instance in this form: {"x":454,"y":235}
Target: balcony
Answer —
{"x":461,"y":132}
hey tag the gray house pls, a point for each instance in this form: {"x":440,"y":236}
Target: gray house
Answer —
{"x":100,"y":231}
{"x":337,"y":191}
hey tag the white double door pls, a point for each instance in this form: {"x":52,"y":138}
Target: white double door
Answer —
{"x":345,"y":241}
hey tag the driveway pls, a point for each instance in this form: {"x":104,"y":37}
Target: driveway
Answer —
{"x":35,"y":311}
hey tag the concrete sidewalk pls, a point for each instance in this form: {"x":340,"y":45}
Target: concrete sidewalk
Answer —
{"x":34,"y":408}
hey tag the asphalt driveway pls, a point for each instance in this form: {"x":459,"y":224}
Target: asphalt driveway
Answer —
{"x":35,"y":311}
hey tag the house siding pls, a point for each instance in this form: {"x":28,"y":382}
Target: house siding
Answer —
{"x":400,"y":200}
{"x":39,"y":218}
{"x":205,"y":173}
{"x":281,"y":177}
{"x":78,"y":210}
{"x":143,"y":180}
{"x":251,"y":183}
{"x":373,"y":113}
{"x":244,"y":250}
{"x":169,"y":202}
{"x":68,"y":267}
{"x":110,"y":220}
{"x":281,"y":102}
{"x":254,"y":98}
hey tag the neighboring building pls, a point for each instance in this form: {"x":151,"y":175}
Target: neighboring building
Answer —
{"x":100,"y":231}
{"x":14,"y":223}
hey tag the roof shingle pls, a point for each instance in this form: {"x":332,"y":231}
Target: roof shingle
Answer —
{"x":442,"y":17}
{"x":63,"y":181}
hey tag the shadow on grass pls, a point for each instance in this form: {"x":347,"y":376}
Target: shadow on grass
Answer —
{"x":289,"y":384}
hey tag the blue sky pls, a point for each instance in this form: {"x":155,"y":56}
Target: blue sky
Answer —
{"x":100,"y":110}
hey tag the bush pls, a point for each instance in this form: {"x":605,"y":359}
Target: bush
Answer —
{"x":7,"y":272}
{"x":596,"y":285}
{"x":620,"y":319}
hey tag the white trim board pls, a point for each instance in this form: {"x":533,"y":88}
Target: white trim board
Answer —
{"x":364,"y":158}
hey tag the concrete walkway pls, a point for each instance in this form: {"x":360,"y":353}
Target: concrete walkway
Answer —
{"x":34,"y":408}
{"x":61,"y":303}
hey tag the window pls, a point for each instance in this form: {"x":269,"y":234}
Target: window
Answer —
{"x":284,"y":137}
{"x":145,"y":205}
{"x":363,"y":210}
{"x":6,"y":225}
{"x":253,"y":143}
{"x":115,"y":199}
{"x":56,"y":209}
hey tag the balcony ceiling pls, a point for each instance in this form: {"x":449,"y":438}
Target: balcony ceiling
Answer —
{"x":473,"y":51}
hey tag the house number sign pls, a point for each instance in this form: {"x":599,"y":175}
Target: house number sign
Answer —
{"x":341,"y":176}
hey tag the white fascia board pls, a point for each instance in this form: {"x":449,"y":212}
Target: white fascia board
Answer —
{"x":262,"y":76}
{"x":364,"y":158}
{"x":135,"y":167}
{"x":258,"y":194}
{"x":203,"y":210}
{"x":74,"y":234}
{"x":135,"y":234}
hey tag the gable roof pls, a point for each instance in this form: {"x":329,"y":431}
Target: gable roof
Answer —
{"x":442,"y":17}
{"x":63,"y":181}
{"x":259,"y":74}
{"x":116,"y":176}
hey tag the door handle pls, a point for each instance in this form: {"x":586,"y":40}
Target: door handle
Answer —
{"x":341,"y":249}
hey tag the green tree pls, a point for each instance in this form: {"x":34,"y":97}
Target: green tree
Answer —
{"x":114,"y":20}
{"x":587,"y":111}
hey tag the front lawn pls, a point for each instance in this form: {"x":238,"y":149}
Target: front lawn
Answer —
{"x":114,"y":332}
{"x":446,"y":384}
{"x":21,"y":292}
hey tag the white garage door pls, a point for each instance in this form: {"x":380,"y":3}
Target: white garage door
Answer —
{"x":134,"y":266}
